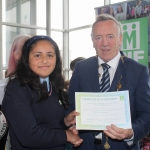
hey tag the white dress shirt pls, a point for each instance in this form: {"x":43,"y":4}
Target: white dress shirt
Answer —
{"x":113,"y":66}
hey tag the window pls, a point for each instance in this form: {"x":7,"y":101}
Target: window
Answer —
{"x":19,"y":11}
{"x":9,"y":34}
{"x":81,"y":12}
{"x":56,"y":14}
{"x":115,"y":1}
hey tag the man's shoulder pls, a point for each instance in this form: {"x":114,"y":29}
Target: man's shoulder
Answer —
{"x":89,"y":60}
{"x":130,"y":61}
{"x":134,"y":66}
{"x":87,"y":63}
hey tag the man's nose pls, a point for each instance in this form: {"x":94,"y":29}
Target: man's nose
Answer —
{"x":105,"y":42}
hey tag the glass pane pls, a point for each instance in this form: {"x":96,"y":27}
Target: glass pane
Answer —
{"x":82,"y":13}
{"x":21,"y":12}
{"x":115,"y":1}
{"x":58,"y":38}
{"x":80,"y":44}
{"x":4,"y":72}
{"x":56,"y":14}
{"x":9,"y":34}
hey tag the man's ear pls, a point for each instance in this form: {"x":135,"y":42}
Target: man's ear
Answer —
{"x":120,"y":42}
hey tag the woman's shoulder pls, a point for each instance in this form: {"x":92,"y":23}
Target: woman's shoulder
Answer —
{"x":16,"y":86}
{"x":13,"y":82}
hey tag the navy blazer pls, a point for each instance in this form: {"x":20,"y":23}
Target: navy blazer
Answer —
{"x":135,"y":78}
{"x":32,"y":125}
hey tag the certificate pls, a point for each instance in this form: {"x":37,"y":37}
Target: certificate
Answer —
{"x":98,"y":110}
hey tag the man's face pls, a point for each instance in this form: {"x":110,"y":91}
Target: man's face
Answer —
{"x":106,"y":39}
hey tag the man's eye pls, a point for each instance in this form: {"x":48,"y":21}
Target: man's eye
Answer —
{"x":98,"y":37}
{"x":110,"y":36}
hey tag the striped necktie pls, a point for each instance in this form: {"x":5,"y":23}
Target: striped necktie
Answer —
{"x":105,"y":81}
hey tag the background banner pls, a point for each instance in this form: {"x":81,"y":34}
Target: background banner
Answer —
{"x":135,"y":19}
{"x":135,"y":39}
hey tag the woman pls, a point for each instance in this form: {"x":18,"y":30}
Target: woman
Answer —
{"x":35,"y":114}
{"x":15,"y":54}
{"x":119,"y":9}
{"x":111,"y":12}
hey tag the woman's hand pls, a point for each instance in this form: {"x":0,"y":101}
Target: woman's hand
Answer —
{"x":73,"y":138}
{"x":70,"y":119}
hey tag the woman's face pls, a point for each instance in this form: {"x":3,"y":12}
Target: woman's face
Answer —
{"x":119,"y":9}
{"x":111,"y":10}
{"x":42,"y":59}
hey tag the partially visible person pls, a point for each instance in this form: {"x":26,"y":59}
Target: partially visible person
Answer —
{"x":111,"y":12}
{"x":138,"y":9}
{"x":132,"y":12}
{"x":123,"y":74}
{"x":119,"y":9}
{"x":102,"y":10}
{"x":73,"y":62}
{"x":67,"y":83}
{"x":35,"y":101}
{"x":15,"y":54}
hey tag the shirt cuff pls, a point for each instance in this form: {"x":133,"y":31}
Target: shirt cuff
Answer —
{"x":130,"y":141}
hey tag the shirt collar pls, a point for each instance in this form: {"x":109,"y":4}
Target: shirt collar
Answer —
{"x":112,"y":63}
{"x":44,"y":79}
{"x":47,"y":80}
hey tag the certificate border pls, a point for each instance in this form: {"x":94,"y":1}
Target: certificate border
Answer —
{"x":124,"y":95}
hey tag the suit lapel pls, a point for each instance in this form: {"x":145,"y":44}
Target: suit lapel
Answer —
{"x":118,"y":74}
{"x":93,"y":74}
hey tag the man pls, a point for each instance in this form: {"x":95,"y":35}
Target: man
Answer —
{"x":125,"y":74}
{"x":138,"y":9}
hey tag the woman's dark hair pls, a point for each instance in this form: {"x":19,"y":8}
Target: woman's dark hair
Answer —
{"x":120,"y":7}
{"x":27,"y":77}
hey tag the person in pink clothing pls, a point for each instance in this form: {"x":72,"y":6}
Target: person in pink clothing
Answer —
{"x":15,"y":52}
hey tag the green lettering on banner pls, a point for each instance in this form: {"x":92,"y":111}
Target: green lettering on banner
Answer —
{"x":129,"y":38}
{"x":135,"y":39}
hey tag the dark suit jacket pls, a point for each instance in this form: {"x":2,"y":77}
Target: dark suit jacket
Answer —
{"x":135,"y":78}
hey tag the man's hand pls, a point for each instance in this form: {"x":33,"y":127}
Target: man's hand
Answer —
{"x":118,"y":133}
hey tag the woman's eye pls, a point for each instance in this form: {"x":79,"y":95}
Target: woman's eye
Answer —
{"x":37,"y":55}
{"x":50,"y":55}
